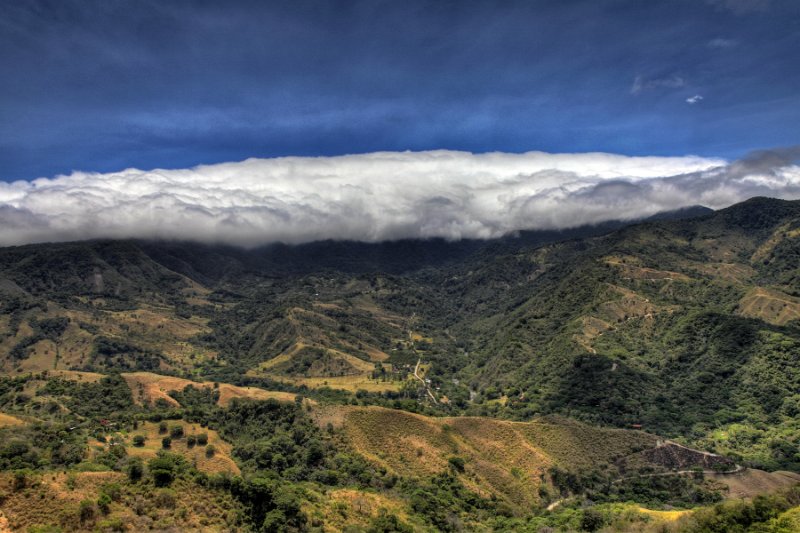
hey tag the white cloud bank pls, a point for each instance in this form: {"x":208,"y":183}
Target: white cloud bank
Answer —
{"x":379,"y":196}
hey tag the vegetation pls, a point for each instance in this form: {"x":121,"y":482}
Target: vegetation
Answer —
{"x":405,"y":386}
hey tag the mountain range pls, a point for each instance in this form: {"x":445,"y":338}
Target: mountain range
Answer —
{"x":498,"y":378}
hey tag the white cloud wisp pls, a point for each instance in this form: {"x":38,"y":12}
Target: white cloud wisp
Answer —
{"x":379,"y":196}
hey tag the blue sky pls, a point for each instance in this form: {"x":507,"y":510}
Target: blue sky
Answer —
{"x":102,"y":85}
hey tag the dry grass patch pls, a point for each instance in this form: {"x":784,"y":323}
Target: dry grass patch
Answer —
{"x":375,"y":354}
{"x":751,"y":482}
{"x":782,"y":233}
{"x":630,"y":269}
{"x":358,"y":364}
{"x":504,"y":459}
{"x":227,"y":393}
{"x":663,"y":516}
{"x":573,"y":445}
{"x":417,"y":337}
{"x":735,"y":272}
{"x":221,"y":461}
{"x":770,"y":306}
{"x":50,"y":499}
{"x":10,"y":421}
{"x":53,"y":499}
{"x":158,"y":329}
{"x":76,"y":375}
{"x":147,"y":387}
{"x":343,"y":509}
{"x":500,"y":461}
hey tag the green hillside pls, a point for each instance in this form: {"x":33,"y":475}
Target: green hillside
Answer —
{"x":493,"y":378}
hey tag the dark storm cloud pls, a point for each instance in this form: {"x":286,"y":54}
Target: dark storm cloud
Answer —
{"x":766,"y":161}
{"x":99,"y":85}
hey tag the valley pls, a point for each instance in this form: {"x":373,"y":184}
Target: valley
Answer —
{"x":650,"y":369}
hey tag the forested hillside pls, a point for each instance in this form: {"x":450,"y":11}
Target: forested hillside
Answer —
{"x":425,"y":385}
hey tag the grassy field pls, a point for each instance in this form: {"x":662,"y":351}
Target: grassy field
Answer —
{"x":149,"y":327}
{"x":53,"y":500}
{"x":770,"y":306}
{"x":506,"y":459}
{"x":663,"y":516}
{"x":345,"y":509}
{"x":10,"y":421}
{"x":148,"y":387}
{"x":220,"y":461}
{"x":751,"y":482}
{"x":630,"y":269}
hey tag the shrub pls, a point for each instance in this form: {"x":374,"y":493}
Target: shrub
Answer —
{"x":592,"y":520}
{"x":165,"y":467}
{"x":162,"y":427}
{"x":166,"y":443}
{"x":166,"y":498}
{"x":103,"y":502}
{"x":87,"y":511}
{"x":135,"y":470}
{"x":114,"y":491}
{"x":50,"y":528}
{"x":456,"y":463}
{"x":138,"y":440}
{"x":202,"y":439}
{"x":210,"y":450}
{"x":176,"y":432}
{"x":112,"y":524}
{"x":386,"y":522}
{"x":21,"y":479}
{"x":191,"y":440}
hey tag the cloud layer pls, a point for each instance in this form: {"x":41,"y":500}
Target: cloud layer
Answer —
{"x":380,"y":196}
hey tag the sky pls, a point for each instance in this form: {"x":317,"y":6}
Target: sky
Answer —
{"x":185,"y":90}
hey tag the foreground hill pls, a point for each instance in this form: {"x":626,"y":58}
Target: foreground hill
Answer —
{"x":98,"y":455}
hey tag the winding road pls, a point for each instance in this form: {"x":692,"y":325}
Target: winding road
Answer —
{"x":424,"y":384}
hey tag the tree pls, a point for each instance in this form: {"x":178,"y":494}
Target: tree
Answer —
{"x":592,"y":520}
{"x":166,"y":443}
{"x":21,"y":479}
{"x":135,"y":470}
{"x":387,"y":522}
{"x":165,"y":467}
